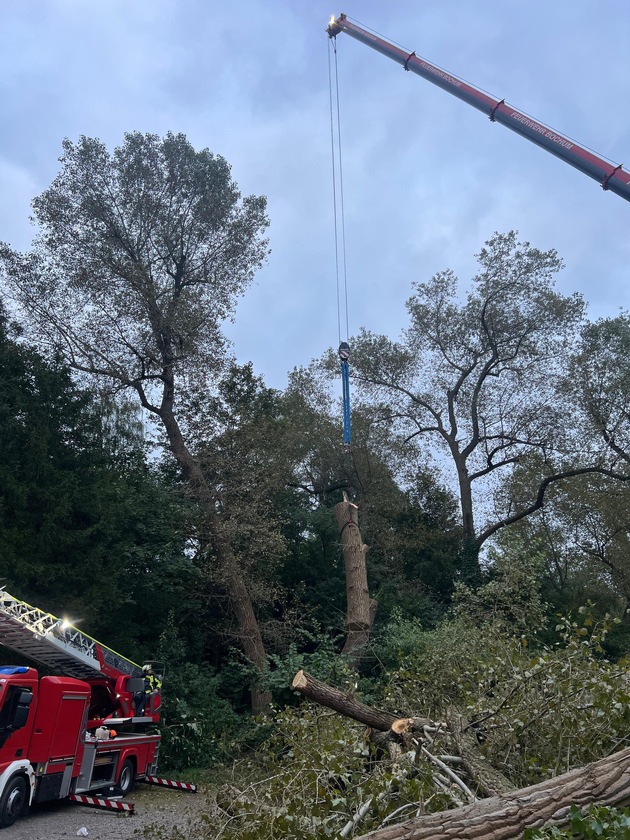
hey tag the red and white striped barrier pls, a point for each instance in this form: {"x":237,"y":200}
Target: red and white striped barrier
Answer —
{"x":155,"y":780}
{"x":99,"y":802}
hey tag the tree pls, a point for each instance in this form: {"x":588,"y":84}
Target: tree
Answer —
{"x":599,"y":379}
{"x":479,"y":378}
{"x":582,"y":533}
{"x":584,"y":525}
{"x":141,"y":256}
{"x":87,"y":527}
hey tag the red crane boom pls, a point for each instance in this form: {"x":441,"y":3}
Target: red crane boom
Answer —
{"x":609,"y":176}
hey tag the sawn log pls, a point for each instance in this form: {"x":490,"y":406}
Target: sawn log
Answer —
{"x":502,"y":817}
{"x":505,"y":817}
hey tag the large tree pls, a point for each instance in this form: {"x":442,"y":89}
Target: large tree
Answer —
{"x":477,"y":377}
{"x":142,"y":254}
{"x":599,"y":381}
{"x":87,"y":526}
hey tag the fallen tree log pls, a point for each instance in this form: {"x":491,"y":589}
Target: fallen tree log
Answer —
{"x":505,"y":817}
{"x":487,"y":779}
{"x":345,"y":704}
{"x":500,"y":817}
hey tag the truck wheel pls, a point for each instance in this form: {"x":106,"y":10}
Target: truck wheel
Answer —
{"x":127,"y":778}
{"x":13,"y":801}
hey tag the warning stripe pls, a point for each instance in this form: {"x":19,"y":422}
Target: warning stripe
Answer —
{"x":98,"y":802}
{"x":155,"y":780}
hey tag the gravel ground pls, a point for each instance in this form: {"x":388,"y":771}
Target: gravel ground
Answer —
{"x":157,"y":811}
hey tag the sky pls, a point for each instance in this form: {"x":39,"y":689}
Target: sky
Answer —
{"x":427,"y":179}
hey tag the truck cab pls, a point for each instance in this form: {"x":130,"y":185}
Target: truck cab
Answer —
{"x":48,"y":749}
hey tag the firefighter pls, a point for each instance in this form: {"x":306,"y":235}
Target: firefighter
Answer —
{"x":152,"y":685}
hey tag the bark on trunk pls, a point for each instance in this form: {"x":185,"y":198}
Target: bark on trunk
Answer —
{"x":360,"y":608}
{"x":341,"y":702}
{"x":506,"y":817}
{"x":249,"y":629}
{"x":234,"y":581}
{"x":489,"y":780}
{"x":470,"y":569}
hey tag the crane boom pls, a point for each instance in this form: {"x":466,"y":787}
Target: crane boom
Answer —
{"x":609,"y":176}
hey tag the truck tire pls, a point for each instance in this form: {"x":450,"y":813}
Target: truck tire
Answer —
{"x":13,"y":801}
{"x":127,"y":778}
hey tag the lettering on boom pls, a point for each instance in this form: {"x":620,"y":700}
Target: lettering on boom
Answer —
{"x":366,"y":34}
{"x":437,"y":72}
{"x":541,"y":129}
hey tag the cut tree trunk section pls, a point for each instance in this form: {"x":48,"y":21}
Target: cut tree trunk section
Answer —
{"x":360,"y":608}
{"x":344,"y":703}
{"x":504,"y":816}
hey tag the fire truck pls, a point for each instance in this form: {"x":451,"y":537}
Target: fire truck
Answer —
{"x":68,"y":736}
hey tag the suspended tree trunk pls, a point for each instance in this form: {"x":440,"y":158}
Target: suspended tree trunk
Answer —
{"x":361,"y":609}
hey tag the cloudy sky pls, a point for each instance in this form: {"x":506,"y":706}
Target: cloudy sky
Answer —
{"x":427,"y":178}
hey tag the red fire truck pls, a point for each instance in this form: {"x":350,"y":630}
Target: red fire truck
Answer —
{"x":67,"y":736}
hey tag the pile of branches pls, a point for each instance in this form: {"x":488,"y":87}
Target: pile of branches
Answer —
{"x":482,"y":802}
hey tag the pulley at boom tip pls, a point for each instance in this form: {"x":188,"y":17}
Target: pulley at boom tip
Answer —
{"x":333,"y":29}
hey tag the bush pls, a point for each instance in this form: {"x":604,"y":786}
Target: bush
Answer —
{"x":595,"y":823}
{"x":539,"y":712}
{"x":195,"y":720}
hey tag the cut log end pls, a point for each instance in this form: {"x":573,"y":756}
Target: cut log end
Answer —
{"x":400,"y":726}
{"x":299,"y":680}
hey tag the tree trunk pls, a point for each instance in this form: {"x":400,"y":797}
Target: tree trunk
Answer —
{"x":502,"y":817}
{"x":341,"y":702}
{"x":249,"y":629}
{"x":360,"y":608}
{"x":470,"y":569}
{"x":505,"y":817}
{"x":238,"y":593}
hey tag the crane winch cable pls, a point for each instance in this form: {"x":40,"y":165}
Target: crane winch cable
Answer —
{"x":339,"y":221}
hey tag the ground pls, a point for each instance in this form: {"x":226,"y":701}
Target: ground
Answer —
{"x":157,"y":811}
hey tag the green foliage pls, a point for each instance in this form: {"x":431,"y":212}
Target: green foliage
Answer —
{"x":511,"y":597}
{"x":322,"y":661}
{"x":597,"y":822}
{"x":196,"y":721}
{"x":539,"y":712}
{"x":399,"y":639}
{"x":82,"y":514}
{"x":310,"y":778}
{"x":599,"y":375}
